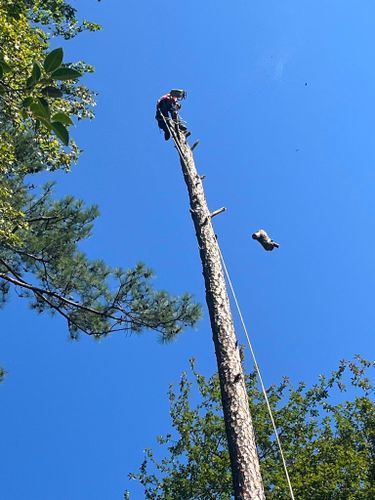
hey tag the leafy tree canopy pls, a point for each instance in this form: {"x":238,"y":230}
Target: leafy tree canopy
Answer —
{"x":328,"y":442}
{"x":40,"y":97}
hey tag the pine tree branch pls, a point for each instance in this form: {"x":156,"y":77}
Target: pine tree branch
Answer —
{"x":18,"y":281}
{"x":127,"y":319}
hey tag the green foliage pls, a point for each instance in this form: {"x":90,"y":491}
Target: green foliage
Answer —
{"x":328,"y":442}
{"x":53,"y":60}
{"x":29,"y":96}
{"x":65,"y":74}
{"x":56,"y":15}
{"x":61,"y":132}
{"x":91,"y":296}
{"x":38,"y":94}
{"x":40,"y":236}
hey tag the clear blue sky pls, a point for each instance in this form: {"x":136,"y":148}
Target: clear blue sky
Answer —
{"x":281,"y":95}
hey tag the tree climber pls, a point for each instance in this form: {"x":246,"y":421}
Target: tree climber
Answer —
{"x":168,"y":107}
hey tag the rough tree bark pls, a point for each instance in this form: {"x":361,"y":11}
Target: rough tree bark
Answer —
{"x":247,"y":481}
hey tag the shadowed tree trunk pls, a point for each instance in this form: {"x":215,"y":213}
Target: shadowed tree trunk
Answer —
{"x":247,"y":481}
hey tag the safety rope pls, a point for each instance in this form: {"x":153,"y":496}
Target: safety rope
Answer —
{"x":173,"y":135}
{"x":258,"y":372}
{"x":177,"y":144}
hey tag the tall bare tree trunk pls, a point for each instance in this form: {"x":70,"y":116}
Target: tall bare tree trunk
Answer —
{"x":247,"y":481}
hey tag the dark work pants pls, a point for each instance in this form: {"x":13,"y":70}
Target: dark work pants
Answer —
{"x":163,"y":126}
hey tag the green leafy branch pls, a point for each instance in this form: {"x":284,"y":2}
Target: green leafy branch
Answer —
{"x":328,"y":441}
{"x":40,"y":88}
{"x":43,"y":78}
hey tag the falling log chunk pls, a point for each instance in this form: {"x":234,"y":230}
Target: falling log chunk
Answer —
{"x":266,"y":242}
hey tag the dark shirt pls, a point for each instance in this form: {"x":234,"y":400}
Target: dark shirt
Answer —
{"x":167,"y":106}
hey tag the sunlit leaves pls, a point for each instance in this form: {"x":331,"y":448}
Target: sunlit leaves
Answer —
{"x":66,"y":74}
{"x":328,"y":441}
{"x":61,"y":132}
{"x":29,"y":96}
{"x":36,"y":73}
{"x":40,"y":110}
{"x":27,"y":102}
{"x":5,"y":68}
{"x":53,"y":60}
{"x":62,"y":118}
{"x":48,"y":79}
{"x":39,"y":106}
{"x":53,"y":92}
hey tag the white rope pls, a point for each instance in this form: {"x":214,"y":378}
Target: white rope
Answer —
{"x":258,"y":372}
{"x":172,"y":133}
